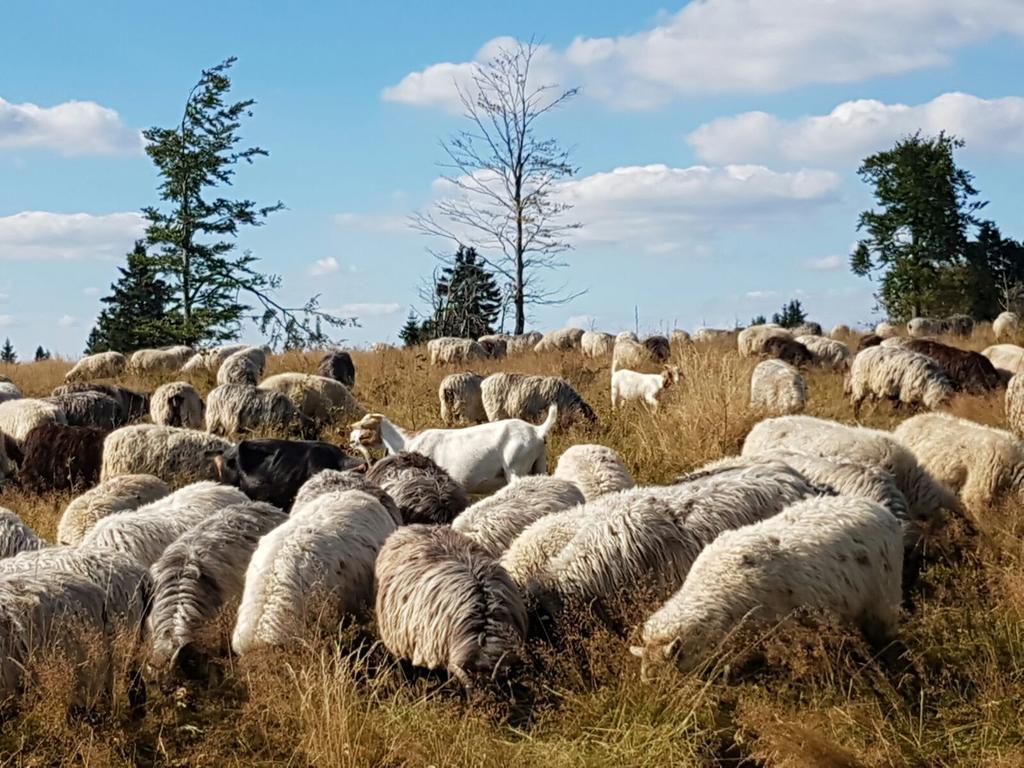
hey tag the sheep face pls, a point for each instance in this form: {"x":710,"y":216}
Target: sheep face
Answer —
{"x":656,"y":659}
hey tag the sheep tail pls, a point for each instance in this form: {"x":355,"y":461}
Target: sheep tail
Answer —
{"x":549,"y":423}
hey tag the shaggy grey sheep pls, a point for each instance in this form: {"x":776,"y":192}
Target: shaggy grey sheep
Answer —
{"x":236,"y":409}
{"x":808,"y":328}
{"x":154,"y":362}
{"x":245,"y":366}
{"x":89,"y":409}
{"x":594,"y":469}
{"x":897,"y":374}
{"x":495,"y":345}
{"x":777,"y":388}
{"x":919,"y":327}
{"x":448,"y":350}
{"x":134,"y":405}
{"x":177,"y":404}
{"x":524,"y":342}
{"x":528,"y":555}
{"x":118,"y":494}
{"x":596,"y":345}
{"x":629,"y":354}
{"x":210,"y":360}
{"x":9,"y":391}
{"x":422,"y":491}
{"x":520,"y":396}
{"x":19,"y":417}
{"x":751,"y":341}
{"x":317,"y":398}
{"x":1006,"y":327}
{"x":826,"y":352}
{"x":562,"y":340}
{"x":103,"y":365}
{"x":15,"y":536}
{"x":177,"y":456}
{"x":332,"y":480}
{"x":461,"y":398}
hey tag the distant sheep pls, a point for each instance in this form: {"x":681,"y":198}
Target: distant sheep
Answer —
{"x":840,"y":331}
{"x":869,"y":340}
{"x":523,"y":342}
{"x":1007,"y":359}
{"x":787,"y":350}
{"x":177,"y":456}
{"x":841,"y":555}
{"x":333,"y":480}
{"x":233,"y":410}
{"x":448,"y":350}
{"x":245,"y":366}
{"x":920,"y":327}
{"x":959,"y":325}
{"x":629,"y":354}
{"x":562,"y":340}
{"x":596,"y":345}
{"x":134,"y":405}
{"x":520,"y":396}
{"x":422,"y":491}
{"x":338,"y":365}
{"x":1014,"y":402}
{"x":119,"y":494}
{"x":777,"y":389}
{"x":658,"y":347}
{"x":679,"y":337}
{"x":154,"y":362}
{"x":89,"y":409}
{"x":751,"y":341}
{"x":594,"y":469}
{"x":16,"y":536}
{"x":461,"y":399}
{"x":57,"y":457}
{"x":443,"y":603}
{"x":495,"y":345}
{"x":969,"y":371}
{"x":629,"y":385}
{"x":9,"y":391}
{"x":712,"y":334}
{"x":808,"y":328}
{"x":320,"y":399}
{"x":826,"y":352}
{"x":104,"y":365}
{"x":886,"y":330}
{"x":897,"y":374}
{"x":177,"y":404}
{"x":1006,"y":327}
{"x":210,"y":360}
{"x":19,"y":417}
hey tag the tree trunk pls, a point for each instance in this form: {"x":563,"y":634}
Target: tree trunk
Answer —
{"x":520,"y":297}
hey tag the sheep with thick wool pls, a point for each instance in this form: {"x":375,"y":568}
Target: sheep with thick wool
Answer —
{"x":561,"y":340}
{"x":897,"y":374}
{"x":124,"y":493}
{"x":175,"y":455}
{"x":318,"y":398}
{"x":521,"y":396}
{"x":528,"y":555}
{"x":777,"y":388}
{"x":443,"y":603}
{"x":334,"y":480}
{"x":239,"y":409}
{"x":210,"y":360}
{"x":421,"y":490}
{"x":707,"y":335}
{"x":886,"y":330}
{"x":523,"y":342}
{"x":594,"y":469}
{"x":1007,"y":359}
{"x":969,"y":371}
{"x":89,"y":409}
{"x":19,"y":417}
{"x":629,"y":354}
{"x":315,"y":569}
{"x":1006,"y":326}
{"x":920,"y":327}
{"x":1014,"y":404}
{"x":841,"y":555}
{"x":102,"y":365}
{"x":200,"y":575}
{"x":16,"y":536}
{"x":244,"y":366}
{"x":56,"y":457}
{"x":177,"y":404}
{"x":9,"y":391}
{"x":751,"y":341}
{"x":826,"y":352}
{"x":448,"y":350}
{"x":840,"y":331}
{"x":461,"y":399}
{"x":494,"y":523}
{"x":597,"y":345}
{"x":495,"y":345}
{"x":155,"y":362}
{"x":133,"y":405}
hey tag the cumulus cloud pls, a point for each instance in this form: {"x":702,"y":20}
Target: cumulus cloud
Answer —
{"x":43,"y":235}
{"x":856,"y":128}
{"x":825,"y":263}
{"x":714,"y":46}
{"x":324,"y":266}
{"x":71,"y":128}
{"x":368,"y":309}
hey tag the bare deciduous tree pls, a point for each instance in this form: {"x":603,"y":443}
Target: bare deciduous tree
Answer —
{"x":504,"y":177}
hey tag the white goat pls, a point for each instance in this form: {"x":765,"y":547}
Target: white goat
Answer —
{"x":630,"y":385}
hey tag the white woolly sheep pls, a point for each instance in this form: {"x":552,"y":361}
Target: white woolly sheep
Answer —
{"x":201,"y":574}
{"x":628,"y":353}
{"x":19,"y":417}
{"x":210,"y":360}
{"x":629,"y":385}
{"x":1014,"y":403}
{"x":712,"y":334}
{"x":919,"y":327}
{"x":153,"y":362}
{"x":898,"y":374}
{"x":9,"y":391}
{"x":495,"y":344}
{"x":237,"y":409}
{"x":523,"y":342}
{"x":317,"y":568}
{"x":447,"y":350}
{"x":807,"y":328}
{"x":1006,"y":326}
{"x":777,"y":388}
{"x":494,"y":523}
{"x":244,"y":366}
{"x":461,"y":400}
{"x":840,"y":555}
{"x":15,"y":536}
{"x":334,"y":480}
{"x":594,"y":469}
{"x":840,"y":331}
{"x":596,"y":345}
{"x":520,"y":396}
{"x":177,"y":456}
{"x":751,"y":341}
{"x":827,"y":353}
{"x":443,"y":603}
{"x":118,"y":494}
{"x":1007,"y":359}
{"x":177,"y":404}
{"x":318,"y":398}
{"x":528,"y":555}
{"x":561,"y":340}
{"x":103,"y":365}
{"x":886,"y":330}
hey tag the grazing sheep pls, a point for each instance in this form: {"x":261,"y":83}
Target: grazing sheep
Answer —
{"x":155,"y":362}
{"x":1007,"y":359}
{"x":15,"y":536}
{"x":968,"y":371}
{"x":523,"y":342}
{"x":146,"y":532}
{"x":869,"y":340}
{"x":658,"y":347}
{"x":840,"y":555}
{"x":1006,"y":326}
{"x":751,"y":341}
{"x":481,"y":459}
{"x":629,"y":385}
{"x":1014,"y":405}
{"x":493,"y":523}
{"x":596,"y":345}
{"x":89,"y":409}
{"x":495,"y":345}
{"x":520,"y":396}
{"x":333,"y":480}
{"x":19,"y":417}
{"x":712,"y":334}
{"x":134,"y":405}
{"x":9,"y":391}
{"x":919,"y":327}
{"x":562,"y":340}
{"x":103,"y":365}
{"x":447,"y":350}
{"x":594,"y":469}
{"x":826,"y":352}
{"x":8,"y":466}
{"x":315,"y":569}
{"x":210,"y":360}
{"x":177,"y":456}
{"x":443,"y":603}
{"x":959,"y":325}
{"x":337,"y":365}
{"x":118,"y":494}
{"x":245,"y":366}
{"x":900,"y":375}
{"x":629,"y":354}
{"x":787,"y":350}
{"x":56,"y":457}
{"x":320,"y":399}
{"x":177,"y":404}
{"x":777,"y":389}
{"x":679,"y":337}
{"x":237,"y":409}
{"x":528,"y":555}
{"x":461,"y":399}
{"x":808,"y":328}
{"x":886,"y":330}
{"x":201,"y":574}
{"x":422,"y":491}
{"x":842,"y":330}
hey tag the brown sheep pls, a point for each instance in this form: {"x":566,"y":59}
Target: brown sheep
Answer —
{"x":658,"y":347}
{"x":787,"y":350}
{"x":969,"y":371}
{"x":338,"y":365}
{"x":57,"y":457}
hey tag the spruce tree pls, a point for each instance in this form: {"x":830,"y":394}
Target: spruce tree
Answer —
{"x":468,"y":299}
{"x":412,"y":332}
{"x":41,"y":354}
{"x":7,"y":353}
{"x":791,"y":316}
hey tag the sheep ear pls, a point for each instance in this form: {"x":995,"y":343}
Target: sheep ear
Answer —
{"x":218,"y":463}
{"x":637,"y":650}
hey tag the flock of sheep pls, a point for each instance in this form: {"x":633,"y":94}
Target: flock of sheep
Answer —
{"x":458,"y":546}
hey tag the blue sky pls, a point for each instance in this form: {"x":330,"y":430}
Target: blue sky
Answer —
{"x":717,"y":143}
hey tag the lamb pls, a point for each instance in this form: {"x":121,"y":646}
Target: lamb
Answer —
{"x":104,"y":365}
{"x":146,"y":532}
{"x":494,"y":523}
{"x":1014,"y":406}
{"x":495,"y":345}
{"x":443,"y":603}
{"x":89,"y":409}
{"x":210,"y":360}
{"x":1006,"y":327}
{"x":9,"y":391}
{"x":787,"y":350}
{"x":527,"y":557}
{"x":596,"y":345}
{"x":840,"y":555}
{"x":177,"y":404}
{"x":317,"y":568}
{"x":461,"y":399}
{"x":481,"y":459}
{"x":900,"y":375}
{"x":199,"y":576}
{"x":520,"y":396}
{"x":422,"y":491}
{"x":320,"y":399}
{"x":177,"y":456}
{"x":238,"y":409}
{"x":594,"y":469}
{"x":134,"y":405}
{"x":886,"y":330}
{"x":920,"y":327}
{"x":332,"y":480}
{"x":777,"y":389}
{"x":523,"y":342}
{"x":629,"y":385}
{"x":1007,"y":359}
{"x":119,"y":494}
{"x":57,"y":458}
{"x":447,"y":350}
{"x":19,"y":417}
{"x":337,"y":365}
{"x":750,"y":341}
{"x":15,"y":536}
{"x":562,"y":340}
{"x":826,"y":352}
{"x":155,"y":362}
{"x":968,"y":371}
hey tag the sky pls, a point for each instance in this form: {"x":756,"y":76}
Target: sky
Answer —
{"x":717,"y":143}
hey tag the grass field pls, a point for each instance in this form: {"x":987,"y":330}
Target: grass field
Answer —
{"x":806,"y":695}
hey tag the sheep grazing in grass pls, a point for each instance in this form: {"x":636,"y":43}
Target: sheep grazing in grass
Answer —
{"x":807,"y":328}
{"x":920,"y":327}
{"x":706,"y":335}
{"x":134,"y":405}
{"x":678,"y":337}
{"x":89,"y":409}
{"x":314,"y":570}
{"x":658,"y":347}
{"x":529,"y":554}
{"x":9,"y":391}
{"x":826,"y":352}
{"x":338,"y":365}
{"x":495,"y":345}
{"x":200,"y":575}
{"x":886,"y":330}
{"x":56,"y":457}
{"x":1007,"y":359}
{"x":968,"y":371}
{"x":897,"y":374}
{"x":494,"y":523}
{"x":521,"y":396}
{"x":777,"y":389}
{"x":177,"y":456}
{"x":751,"y":341}
{"x":443,"y":603}
{"x":236,"y":409}
{"x":628,"y":353}
{"x":840,"y":555}
{"x":461,"y":399}
{"x":119,"y":494}
{"x":594,"y":469}
{"x":245,"y":366}
{"x":15,"y":536}
{"x":210,"y":360}
{"x":422,"y":491}
{"x":103,"y":365}
{"x":629,"y":385}
{"x":333,"y":480}
{"x":596,"y":345}
{"x":449,"y":350}
{"x":155,"y":362}
{"x":523,"y":342}
{"x":320,"y":399}
{"x":562,"y":340}
{"x":19,"y":417}
{"x":1006,"y":327}
{"x":788,"y":350}
{"x":1014,"y":402}
{"x":959,"y":325}
{"x":177,"y":404}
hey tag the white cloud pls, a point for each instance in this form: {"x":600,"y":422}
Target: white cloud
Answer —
{"x":712,"y":46}
{"x":67,"y":321}
{"x":71,"y":128}
{"x":856,"y":128}
{"x":368,"y":310}
{"x":585,"y":322}
{"x":372,"y":222}
{"x":6,"y":321}
{"x":324,"y":266}
{"x":42,"y":235}
{"x":825,"y":263}
{"x":760,"y":294}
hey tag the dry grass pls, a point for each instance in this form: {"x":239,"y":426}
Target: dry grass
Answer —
{"x":806,"y":695}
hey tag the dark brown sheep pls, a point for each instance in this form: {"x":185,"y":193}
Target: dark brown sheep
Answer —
{"x":423,"y":491}
{"x":870,"y":340}
{"x":57,"y":458}
{"x":658,"y":347}
{"x":338,"y":365}
{"x":969,"y":371}
{"x":788,"y":350}
{"x":959,"y":325}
